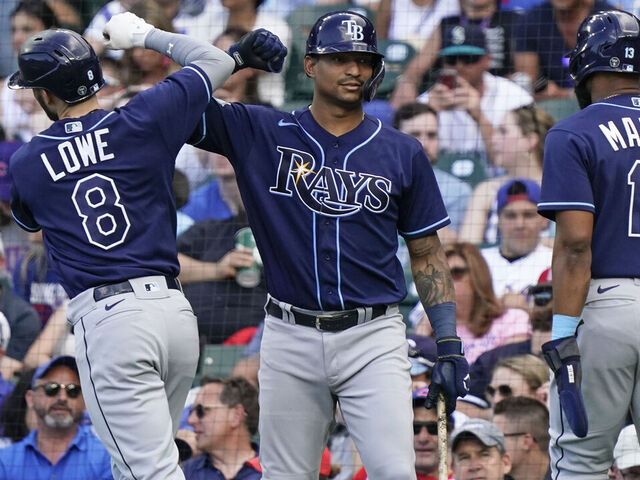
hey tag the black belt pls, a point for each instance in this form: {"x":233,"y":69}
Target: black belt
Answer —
{"x":330,"y":322}
{"x":106,"y":291}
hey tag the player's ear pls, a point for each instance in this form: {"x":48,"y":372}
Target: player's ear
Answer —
{"x":309,"y":66}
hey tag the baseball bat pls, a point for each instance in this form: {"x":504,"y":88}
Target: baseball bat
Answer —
{"x":443,"y":469}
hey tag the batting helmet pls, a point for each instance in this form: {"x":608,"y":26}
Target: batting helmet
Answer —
{"x":608,"y":41}
{"x":60,"y":61}
{"x":338,"y":32}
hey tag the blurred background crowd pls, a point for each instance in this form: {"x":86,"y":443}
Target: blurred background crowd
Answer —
{"x":478,"y":82}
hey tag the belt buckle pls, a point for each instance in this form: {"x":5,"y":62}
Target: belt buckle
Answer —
{"x":319,"y":319}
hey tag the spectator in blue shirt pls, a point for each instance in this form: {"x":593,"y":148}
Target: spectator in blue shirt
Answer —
{"x":59,"y":447}
{"x":224,"y":417}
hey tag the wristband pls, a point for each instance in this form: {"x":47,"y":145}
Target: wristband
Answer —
{"x":563,"y":326}
{"x":443,"y":319}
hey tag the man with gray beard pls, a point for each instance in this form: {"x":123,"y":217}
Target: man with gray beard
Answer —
{"x":60,"y":447}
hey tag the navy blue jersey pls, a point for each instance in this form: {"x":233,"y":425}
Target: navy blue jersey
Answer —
{"x":326,"y":210}
{"x":592,"y":163}
{"x":100,"y":186}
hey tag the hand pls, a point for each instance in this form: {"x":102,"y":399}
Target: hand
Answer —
{"x":467,"y":98}
{"x":450,"y":375}
{"x":404,"y":92}
{"x":227,"y":266}
{"x":563,"y":357}
{"x":259,"y":49}
{"x":124,"y":31}
{"x":441,"y":97}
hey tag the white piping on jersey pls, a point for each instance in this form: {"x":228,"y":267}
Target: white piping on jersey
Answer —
{"x":566,"y":204}
{"x":315,"y":246}
{"x":50,"y":137}
{"x":614,"y":105}
{"x":344,"y":166}
{"x":26,"y":227}
{"x":428,"y":227}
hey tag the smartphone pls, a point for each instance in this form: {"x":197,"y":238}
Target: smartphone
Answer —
{"x":447,"y":77}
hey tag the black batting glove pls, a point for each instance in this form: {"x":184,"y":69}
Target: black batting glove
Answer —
{"x":450,"y":375}
{"x":563,"y":357}
{"x":259,"y":49}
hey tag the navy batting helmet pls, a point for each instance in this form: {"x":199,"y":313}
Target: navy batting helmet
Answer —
{"x":338,"y":32}
{"x":608,"y":41}
{"x":60,"y":61}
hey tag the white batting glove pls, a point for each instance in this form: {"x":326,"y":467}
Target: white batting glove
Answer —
{"x":124,"y":31}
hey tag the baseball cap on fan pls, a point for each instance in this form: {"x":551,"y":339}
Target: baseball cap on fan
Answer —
{"x":422,"y":353}
{"x":466,"y":39}
{"x":486,"y":432}
{"x":7,"y":149}
{"x":626,"y":453}
{"x":64,"y":360}
{"x":518,"y":189}
{"x":5,"y":332}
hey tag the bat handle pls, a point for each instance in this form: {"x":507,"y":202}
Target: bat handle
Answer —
{"x":443,"y":468}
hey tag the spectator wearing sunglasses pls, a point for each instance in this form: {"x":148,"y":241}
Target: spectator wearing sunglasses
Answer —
{"x":482,"y":322}
{"x":224,"y":417}
{"x":518,"y":376}
{"x":470,"y":102}
{"x":59,"y":447}
{"x":425,"y":438}
{"x":524,"y":423}
{"x":520,"y":256}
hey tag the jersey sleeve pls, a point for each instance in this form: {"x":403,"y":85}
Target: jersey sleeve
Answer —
{"x":565,"y":177}
{"x":227,"y":129}
{"x":21,"y":212}
{"x":175,"y":105}
{"x":422,"y":210}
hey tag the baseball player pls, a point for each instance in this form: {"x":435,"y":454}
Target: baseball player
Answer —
{"x":98,"y":184}
{"x":591,"y":167}
{"x":326,"y":189}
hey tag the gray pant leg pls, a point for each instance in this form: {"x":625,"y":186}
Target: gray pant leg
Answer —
{"x":374,"y":392}
{"x":296,"y":406}
{"x":128,"y":374}
{"x":608,"y":342}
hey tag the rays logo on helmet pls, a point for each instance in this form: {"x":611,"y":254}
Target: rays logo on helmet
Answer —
{"x":354,"y":30}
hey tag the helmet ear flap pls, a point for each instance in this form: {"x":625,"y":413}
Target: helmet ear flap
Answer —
{"x":370,"y":87}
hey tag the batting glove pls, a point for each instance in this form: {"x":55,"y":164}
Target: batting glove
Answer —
{"x":124,"y":31}
{"x":450,"y":375}
{"x":563,"y":357}
{"x":259,"y":49}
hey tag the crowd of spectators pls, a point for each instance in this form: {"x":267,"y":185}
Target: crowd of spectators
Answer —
{"x":486,"y":83}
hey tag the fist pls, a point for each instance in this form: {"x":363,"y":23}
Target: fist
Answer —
{"x":124,"y":31}
{"x":259,"y":49}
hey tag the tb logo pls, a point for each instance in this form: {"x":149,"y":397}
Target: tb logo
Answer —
{"x":354,"y":29}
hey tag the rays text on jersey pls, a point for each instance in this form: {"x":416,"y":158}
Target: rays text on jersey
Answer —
{"x":326,"y":190}
{"x":78,"y":152}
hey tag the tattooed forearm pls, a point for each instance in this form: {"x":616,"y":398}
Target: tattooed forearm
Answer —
{"x":431,"y":271}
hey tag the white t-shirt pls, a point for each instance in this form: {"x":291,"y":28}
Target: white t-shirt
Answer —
{"x":517,"y":275}
{"x":414,"y":24}
{"x":459,"y":132}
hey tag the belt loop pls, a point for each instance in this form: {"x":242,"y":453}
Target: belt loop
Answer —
{"x":287,"y":316}
{"x":364,"y":314}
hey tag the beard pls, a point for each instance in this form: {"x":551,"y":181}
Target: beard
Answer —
{"x":59,"y":421}
{"x":53,"y":116}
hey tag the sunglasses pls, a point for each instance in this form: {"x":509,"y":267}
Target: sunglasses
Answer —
{"x":432,"y":427}
{"x":466,"y":59}
{"x":458,"y":272}
{"x":52,"y":389}
{"x":504,"y":390}
{"x":541,"y":297}
{"x":201,"y":410}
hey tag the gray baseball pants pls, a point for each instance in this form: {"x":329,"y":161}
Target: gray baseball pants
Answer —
{"x":609,"y":342}
{"x":137,"y":355}
{"x":303,"y":371}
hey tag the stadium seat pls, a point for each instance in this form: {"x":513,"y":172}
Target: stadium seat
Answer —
{"x":218,"y":360}
{"x":559,"y":108}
